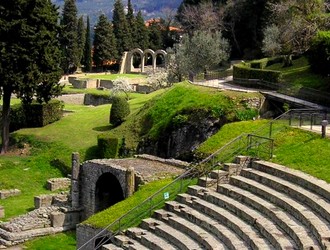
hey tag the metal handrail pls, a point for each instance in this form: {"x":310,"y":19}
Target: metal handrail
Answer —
{"x":195,"y":171}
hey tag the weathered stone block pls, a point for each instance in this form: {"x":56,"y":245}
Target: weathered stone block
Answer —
{"x":58,"y":183}
{"x":9,"y":193}
{"x":43,"y":201}
{"x":57,"y":219}
{"x":2,"y":212}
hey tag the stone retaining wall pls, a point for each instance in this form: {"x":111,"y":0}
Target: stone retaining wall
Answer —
{"x":47,"y":200}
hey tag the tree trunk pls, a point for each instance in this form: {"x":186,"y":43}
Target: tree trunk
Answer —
{"x":5,"y":120}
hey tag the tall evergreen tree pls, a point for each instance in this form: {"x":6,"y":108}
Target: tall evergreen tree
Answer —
{"x":69,"y":37}
{"x":87,"y":56}
{"x":155,"y":35}
{"x":81,"y":35}
{"x":104,"y":42}
{"x":120,"y":28}
{"x":29,"y":55}
{"x":131,"y":21}
{"x":141,"y":33}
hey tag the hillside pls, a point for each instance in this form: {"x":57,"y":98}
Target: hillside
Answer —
{"x":149,"y":8}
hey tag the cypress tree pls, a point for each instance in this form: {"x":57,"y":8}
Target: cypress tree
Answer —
{"x":155,"y":35}
{"x":104,"y":42}
{"x":131,"y":21}
{"x":120,"y":28}
{"x":87,"y":56}
{"x":141,"y":32}
{"x":69,"y":37}
{"x":81,"y":33}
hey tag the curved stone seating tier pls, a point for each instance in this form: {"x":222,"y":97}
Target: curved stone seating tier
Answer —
{"x":259,"y":206}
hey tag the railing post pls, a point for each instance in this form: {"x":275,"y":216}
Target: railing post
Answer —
{"x":312,"y":120}
{"x":300,"y":120}
{"x":290,"y":119}
{"x":270,"y":129}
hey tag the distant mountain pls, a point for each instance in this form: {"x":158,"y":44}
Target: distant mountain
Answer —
{"x":149,"y":8}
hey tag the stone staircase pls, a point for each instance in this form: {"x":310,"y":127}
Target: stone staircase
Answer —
{"x":259,"y":205}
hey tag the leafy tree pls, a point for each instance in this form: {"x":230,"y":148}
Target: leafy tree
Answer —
{"x":81,"y":34}
{"x":121,"y":30}
{"x":319,"y":53}
{"x":69,"y":37}
{"x":87,"y":56}
{"x":104,"y":42}
{"x":201,"y":51}
{"x":298,"y":22}
{"x":119,"y":110}
{"x":121,"y":85}
{"x":271,"y":43}
{"x":141,"y":33}
{"x":30,"y":55}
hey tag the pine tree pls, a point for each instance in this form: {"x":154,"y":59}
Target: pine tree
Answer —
{"x":104,"y":42}
{"x":141,"y":32}
{"x":69,"y":37}
{"x":87,"y":57}
{"x":30,"y":55}
{"x":120,"y":28}
{"x":81,"y":34}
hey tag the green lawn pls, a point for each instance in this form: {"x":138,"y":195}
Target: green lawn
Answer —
{"x":300,"y":75}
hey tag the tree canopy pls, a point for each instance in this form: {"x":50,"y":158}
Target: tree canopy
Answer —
{"x":30,"y":54}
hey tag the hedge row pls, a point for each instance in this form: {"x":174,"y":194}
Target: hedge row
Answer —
{"x":108,"y":146}
{"x":244,"y":72}
{"x":35,"y":114}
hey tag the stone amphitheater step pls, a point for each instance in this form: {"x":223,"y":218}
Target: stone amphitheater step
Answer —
{"x":266,"y":227}
{"x":205,"y":238}
{"x":302,"y":237}
{"x":127,"y":243}
{"x":228,"y":237}
{"x":318,"y":226}
{"x":215,"y":177}
{"x":314,"y":201}
{"x":149,"y":239}
{"x":245,"y":231}
{"x":309,"y":182}
{"x":177,"y":238}
{"x":111,"y":247}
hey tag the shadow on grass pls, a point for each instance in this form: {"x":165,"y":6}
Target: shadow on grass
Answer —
{"x":60,"y":165}
{"x":103,"y":128}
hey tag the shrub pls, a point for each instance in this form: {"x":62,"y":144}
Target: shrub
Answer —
{"x":244,"y":72}
{"x":119,"y":110}
{"x":319,"y":53}
{"x":39,"y":115}
{"x":108,"y":146}
{"x":35,"y":114}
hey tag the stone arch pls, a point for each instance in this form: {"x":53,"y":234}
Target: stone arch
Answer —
{"x":131,"y":57}
{"x":108,"y":191}
{"x":149,"y":60}
{"x":148,"y":57}
{"x":160,"y":55}
{"x":102,"y":184}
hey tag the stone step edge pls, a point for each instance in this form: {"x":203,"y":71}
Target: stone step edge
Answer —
{"x":314,"y":201}
{"x":300,"y":178}
{"x":190,"y":214}
{"x":266,"y":228}
{"x":302,"y":239}
{"x":284,"y":200}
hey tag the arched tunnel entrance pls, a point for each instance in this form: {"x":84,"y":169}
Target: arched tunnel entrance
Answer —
{"x":108,"y":192}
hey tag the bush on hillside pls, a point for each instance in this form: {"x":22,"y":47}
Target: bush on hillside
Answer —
{"x":108,"y":146}
{"x":319,"y":53}
{"x":119,"y":110}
